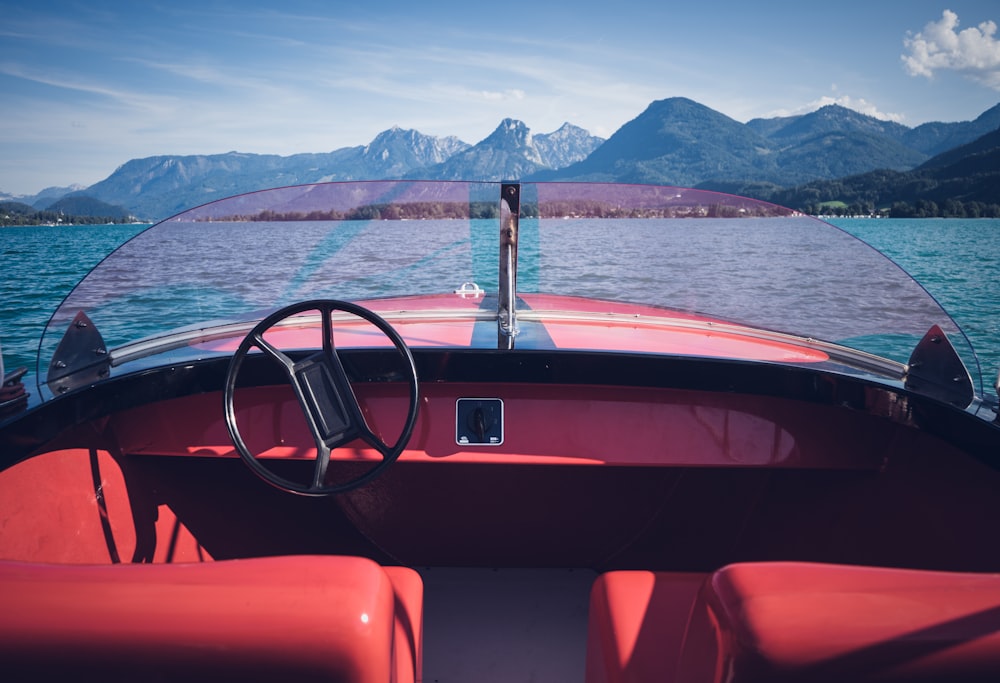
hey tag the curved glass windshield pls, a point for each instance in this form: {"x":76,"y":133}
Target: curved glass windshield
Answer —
{"x":683,"y":251}
{"x":729,"y":257}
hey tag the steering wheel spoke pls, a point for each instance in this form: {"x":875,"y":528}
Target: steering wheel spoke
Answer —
{"x":272,"y":350}
{"x":372,"y":440}
{"x":320,"y":467}
{"x":326,"y":397}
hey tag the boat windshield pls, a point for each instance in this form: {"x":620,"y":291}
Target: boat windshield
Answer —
{"x":682,"y":251}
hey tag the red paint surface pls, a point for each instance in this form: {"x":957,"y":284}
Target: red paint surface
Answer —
{"x":578,"y":324}
{"x":300,"y":618}
{"x":637,"y":623}
{"x":812,"y":622}
{"x":544,"y":424}
{"x":785,"y":621}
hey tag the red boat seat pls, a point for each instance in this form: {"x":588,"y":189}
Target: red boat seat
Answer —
{"x":787,"y":621}
{"x":813,"y":622}
{"x":282,"y":618}
{"x":636,"y":624}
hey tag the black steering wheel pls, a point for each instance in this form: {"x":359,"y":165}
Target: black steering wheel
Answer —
{"x":324,"y":392}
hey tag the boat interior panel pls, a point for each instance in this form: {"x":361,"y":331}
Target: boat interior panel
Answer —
{"x":549,"y":472}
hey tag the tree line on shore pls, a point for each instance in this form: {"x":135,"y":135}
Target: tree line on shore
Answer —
{"x":17,"y":213}
{"x":922,"y":208}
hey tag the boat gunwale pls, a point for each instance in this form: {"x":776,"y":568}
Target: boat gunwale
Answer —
{"x":847,"y":356}
{"x":45,"y":423}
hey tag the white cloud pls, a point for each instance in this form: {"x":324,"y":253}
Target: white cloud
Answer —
{"x":974,"y":52}
{"x":506,"y":95}
{"x":859,"y":104}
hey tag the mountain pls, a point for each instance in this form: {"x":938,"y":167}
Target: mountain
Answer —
{"x":836,"y":154}
{"x":395,"y":152}
{"x":160,"y":186}
{"x":976,"y":158}
{"x":157,"y":187}
{"x":835,"y":141}
{"x":566,"y":146}
{"x":49,"y":195}
{"x":674,"y":141}
{"x":831,"y":118}
{"x":928,"y":139}
{"x":680,"y":142}
{"x":512,"y":152}
{"x":508,"y":152}
{"x":87,"y":206}
{"x":935,"y":138}
{"x":43,"y":198}
{"x":964,"y":181}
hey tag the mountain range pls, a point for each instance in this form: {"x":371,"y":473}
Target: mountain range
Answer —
{"x":675,"y":141}
{"x":961,"y":182}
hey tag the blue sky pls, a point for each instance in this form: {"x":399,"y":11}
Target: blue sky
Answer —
{"x":89,"y":84}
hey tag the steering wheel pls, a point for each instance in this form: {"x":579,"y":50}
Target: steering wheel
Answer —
{"x":324,"y":392}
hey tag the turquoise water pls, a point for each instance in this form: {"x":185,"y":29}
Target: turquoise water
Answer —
{"x":957,"y":261}
{"x":40,"y":266}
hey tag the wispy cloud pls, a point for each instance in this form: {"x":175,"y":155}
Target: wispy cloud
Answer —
{"x":858,"y":104}
{"x":973,"y":52}
{"x":499,"y":96}
{"x":76,"y":83}
{"x":89,"y":85}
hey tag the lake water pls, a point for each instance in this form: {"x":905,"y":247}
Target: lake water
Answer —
{"x":956,"y":260}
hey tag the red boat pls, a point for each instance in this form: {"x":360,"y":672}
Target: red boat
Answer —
{"x":405,"y":431}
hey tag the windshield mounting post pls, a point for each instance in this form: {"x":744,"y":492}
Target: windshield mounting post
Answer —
{"x":510,"y":207}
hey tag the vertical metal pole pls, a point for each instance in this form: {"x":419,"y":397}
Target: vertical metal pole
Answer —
{"x":510,"y":207}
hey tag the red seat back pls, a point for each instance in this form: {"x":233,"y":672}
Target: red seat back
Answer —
{"x":282,"y":618}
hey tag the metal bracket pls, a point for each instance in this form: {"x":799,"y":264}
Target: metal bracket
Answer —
{"x":81,"y":357}
{"x":936,"y":369}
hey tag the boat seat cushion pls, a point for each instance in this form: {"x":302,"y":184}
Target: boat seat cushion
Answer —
{"x":787,"y":621}
{"x":813,"y":622}
{"x":281,"y":618}
{"x":636,"y":624}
